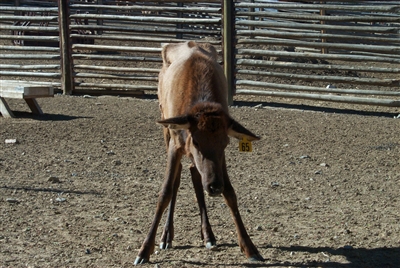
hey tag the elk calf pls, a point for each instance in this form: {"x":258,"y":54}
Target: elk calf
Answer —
{"x":192,"y":92}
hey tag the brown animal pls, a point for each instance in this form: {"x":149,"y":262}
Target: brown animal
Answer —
{"x":192,"y":93}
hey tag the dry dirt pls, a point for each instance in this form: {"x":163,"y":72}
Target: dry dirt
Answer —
{"x":79,"y":188}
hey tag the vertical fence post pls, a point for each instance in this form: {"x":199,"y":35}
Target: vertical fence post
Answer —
{"x":17,"y":4}
{"x":252,"y":9}
{"x":179,"y":35}
{"x":99,"y":21}
{"x":67,"y":80}
{"x":228,"y":46}
{"x":322,"y":12}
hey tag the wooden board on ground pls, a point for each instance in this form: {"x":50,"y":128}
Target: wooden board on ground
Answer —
{"x":23,"y":90}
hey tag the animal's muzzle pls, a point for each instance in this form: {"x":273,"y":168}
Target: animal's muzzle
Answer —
{"x":214,"y":189}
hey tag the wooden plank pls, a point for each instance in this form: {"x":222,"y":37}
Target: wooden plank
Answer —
{"x":35,"y":92}
{"x":320,"y":97}
{"x":11,"y":95}
{"x":102,"y":92}
{"x":11,"y":83}
{"x":24,"y":89}
{"x":148,"y":19}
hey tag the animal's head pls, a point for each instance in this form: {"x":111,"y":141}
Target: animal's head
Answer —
{"x":208,"y":127}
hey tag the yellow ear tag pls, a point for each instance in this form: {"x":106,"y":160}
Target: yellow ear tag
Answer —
{"x":245,"y":146}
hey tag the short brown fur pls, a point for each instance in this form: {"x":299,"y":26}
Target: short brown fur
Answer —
{"x":192,"y":92}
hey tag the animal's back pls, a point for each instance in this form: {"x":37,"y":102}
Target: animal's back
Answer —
{"x":190,"y":74}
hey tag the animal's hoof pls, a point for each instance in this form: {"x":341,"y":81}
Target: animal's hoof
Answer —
{"x":165,"y":245}
{"x":211,"y":245}
{"x":140,"y":260}
{"x":256,"y":257}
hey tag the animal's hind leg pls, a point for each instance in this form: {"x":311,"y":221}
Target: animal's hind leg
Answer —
{"x":206,"y":232}
{"x":168,"y":233}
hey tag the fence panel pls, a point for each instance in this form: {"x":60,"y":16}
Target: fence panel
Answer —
{"x":322,"y":50}
{"x":325,"y":50}
{"x":29,"y":42}
{"x":114,"y":45}
{"x":122,"y":52}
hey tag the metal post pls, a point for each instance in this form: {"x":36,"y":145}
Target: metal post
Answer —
{"x":67,"y":80}
{"x":228,"y":46}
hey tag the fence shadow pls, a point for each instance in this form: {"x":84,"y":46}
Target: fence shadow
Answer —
{"x":47,"y":117}
{"x":303,"y":107}
{"x":356,"y":258}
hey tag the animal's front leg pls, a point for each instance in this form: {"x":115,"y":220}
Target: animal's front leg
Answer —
{"x":245,"y":243}
{"x":206,"y":233}
{"x":168,"y":233}
{"x":173,"y":163}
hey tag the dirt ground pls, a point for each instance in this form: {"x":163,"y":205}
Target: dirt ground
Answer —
{"x":79,"y":187}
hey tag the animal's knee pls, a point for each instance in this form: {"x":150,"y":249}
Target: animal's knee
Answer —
{"x":165,"y":196}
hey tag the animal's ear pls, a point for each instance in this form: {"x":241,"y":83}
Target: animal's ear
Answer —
{"x":208,"y":49}
{"x":238,"y":131}
{"x":180,"y":122}
{"x":164,"y":50}
{"x":170,"y":53}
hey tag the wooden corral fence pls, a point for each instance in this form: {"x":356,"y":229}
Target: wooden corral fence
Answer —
{"x":347,"y":51}
{"x":29,"y":41}
{"x":128,"y":36}
{"x":107,"y":46}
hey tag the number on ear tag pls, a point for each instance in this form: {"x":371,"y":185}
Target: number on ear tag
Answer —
{"x":245,"y":145}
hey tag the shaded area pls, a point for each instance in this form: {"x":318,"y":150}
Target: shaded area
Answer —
{"x":47,"y":117}
{"x":303,"y":107}
{"x":357,"y":257}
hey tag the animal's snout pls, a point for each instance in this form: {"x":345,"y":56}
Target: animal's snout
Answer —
{"x":215,"y":189}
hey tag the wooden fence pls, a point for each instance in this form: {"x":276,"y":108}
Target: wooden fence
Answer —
{"x":320,"y":50}
{"x":107,"y":46}
{"x":333,"y":50}
{"x":21,"y":28}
